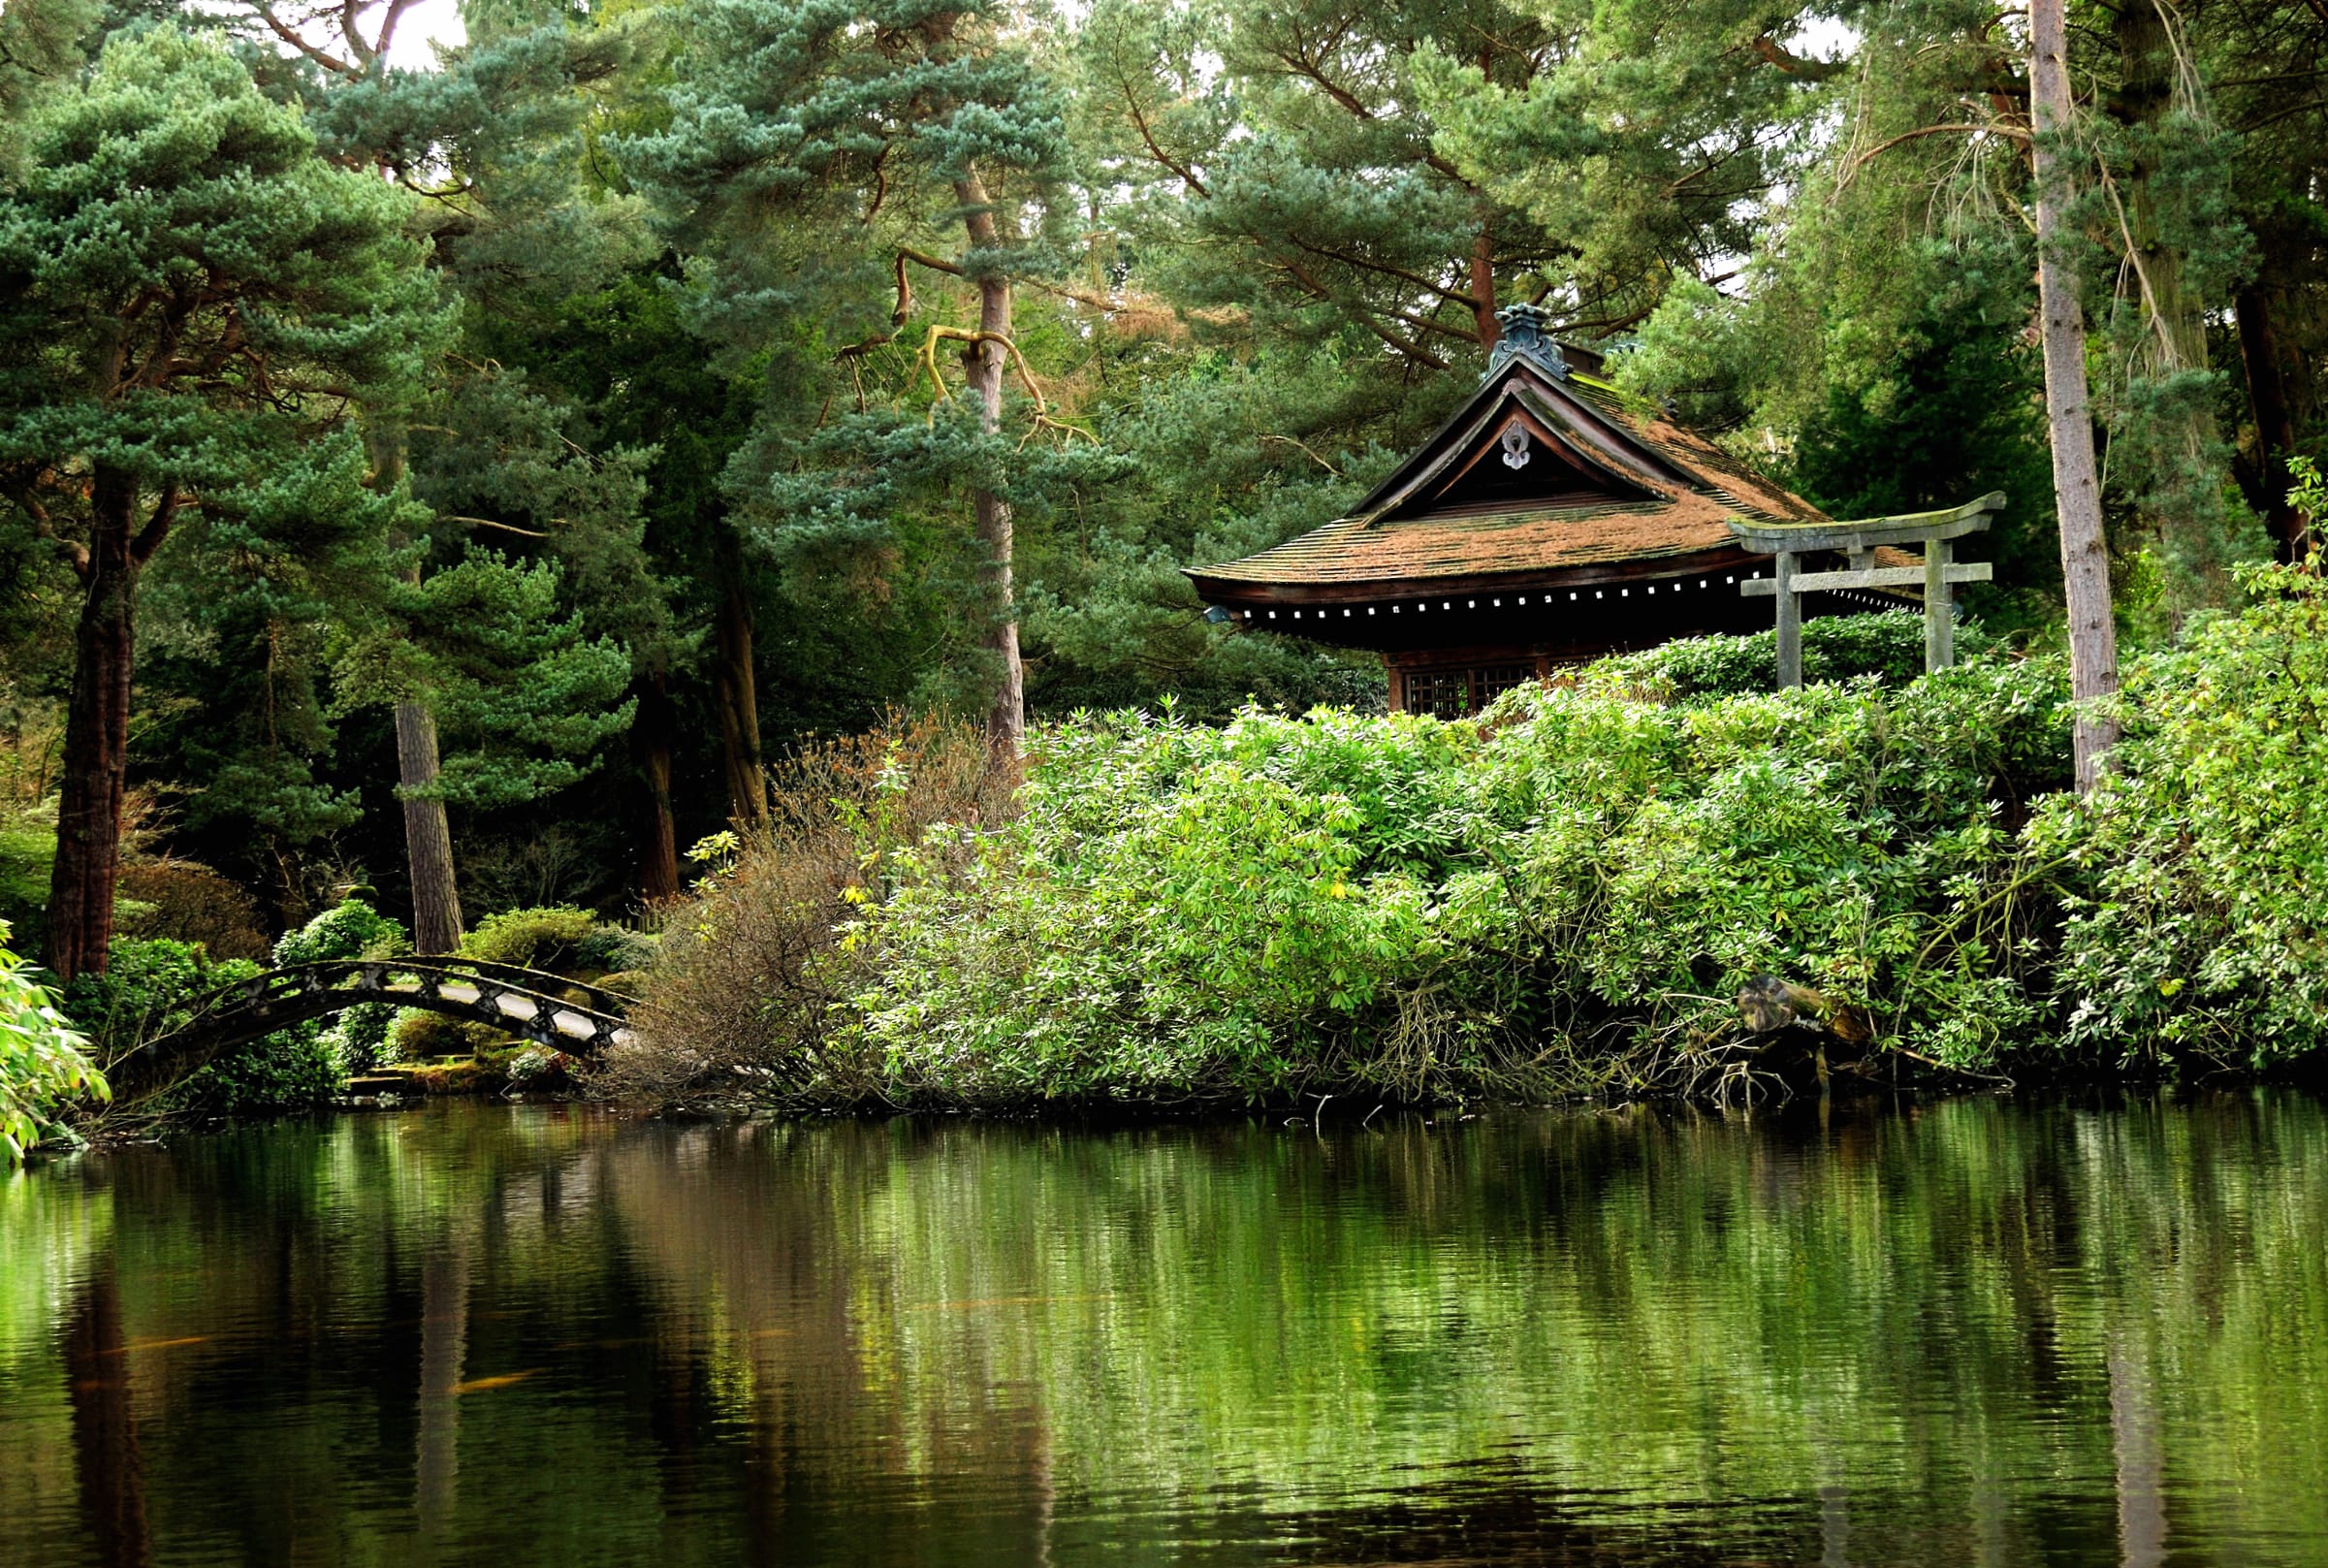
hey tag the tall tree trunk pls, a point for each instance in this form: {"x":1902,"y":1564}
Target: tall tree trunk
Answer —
{"x":652,"y":736}
{"x":428,"y":834}
{"x":982,"y":363}
{"x":2077,"y":486}
{"x":736,"y":692}
{"x":2275,"y":425}
{"x":96,"y":761}
{"x":1483,"y":286}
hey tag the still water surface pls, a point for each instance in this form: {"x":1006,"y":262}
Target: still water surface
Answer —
{"x":1969,"y":1332}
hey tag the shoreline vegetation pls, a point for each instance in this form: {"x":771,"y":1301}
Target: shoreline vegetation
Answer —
{"x":1658,"y":879}
{"x":1561,"y":899}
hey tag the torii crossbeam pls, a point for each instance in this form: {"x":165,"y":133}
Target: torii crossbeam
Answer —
{"x":1789,"y":543}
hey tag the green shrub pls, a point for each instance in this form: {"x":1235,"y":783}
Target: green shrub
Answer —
{"x":418,"y":1035}
{"x":350,"y":929}
{"x":1887,"y":645}
{"x":1568,"y":902}
{"x":2196,"y":877}
{"x":1565,"y":900}
{"x":549,"y":937}
{"x":43,"y":1061}
{"x":151,"y":989}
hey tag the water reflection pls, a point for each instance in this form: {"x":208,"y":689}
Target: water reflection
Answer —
{"x":1972,"y":1333}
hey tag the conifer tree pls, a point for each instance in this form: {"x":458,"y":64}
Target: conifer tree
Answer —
{"x":188,"y":294}
{"x":491,"y":141}
{"x":1290,"y":172}
{"x":875,"y":124}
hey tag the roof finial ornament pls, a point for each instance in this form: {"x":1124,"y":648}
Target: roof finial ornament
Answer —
{"x":1527,"y":329}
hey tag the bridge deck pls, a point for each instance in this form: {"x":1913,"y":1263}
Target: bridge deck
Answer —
{"x":575,"y":1026}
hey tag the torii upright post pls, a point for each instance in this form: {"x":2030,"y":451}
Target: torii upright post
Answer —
{"x":1937,"y":575}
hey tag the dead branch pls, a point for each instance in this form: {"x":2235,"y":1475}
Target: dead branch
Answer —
{"x":1861,"y":160}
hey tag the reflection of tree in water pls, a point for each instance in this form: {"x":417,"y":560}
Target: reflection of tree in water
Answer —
{"x":105,"y":1425}
{"x":1966,"y":1332}
{"x":762,"y":1297}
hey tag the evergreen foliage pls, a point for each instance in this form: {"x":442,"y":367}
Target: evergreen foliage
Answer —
{"x":610,"y":390}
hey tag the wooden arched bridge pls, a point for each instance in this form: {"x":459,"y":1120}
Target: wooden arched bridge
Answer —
{"x":528,"y":1003}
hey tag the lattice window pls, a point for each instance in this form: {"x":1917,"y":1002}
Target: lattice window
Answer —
{"x":1441,"y":694}
{"x":1497,"y":679}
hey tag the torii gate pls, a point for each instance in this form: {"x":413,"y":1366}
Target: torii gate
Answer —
{"x":1790,"y":541}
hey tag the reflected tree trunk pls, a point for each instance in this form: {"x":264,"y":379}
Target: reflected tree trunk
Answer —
{"x":104,"y":1426}
{"x":2141,"y":1468}
{"x":444,"y":1347}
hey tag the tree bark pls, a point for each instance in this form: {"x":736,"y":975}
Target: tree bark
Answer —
{"x":1483,"y":286}
{"x":428,"y":834}
{"x":2077,"y":486}
{"x":652,"y":736}
{"x":2275,"y":425}
{"x":736,"y":692}
{"x":982,"y":363}
{"x":96,"y":761}
{"x":436,"y":926}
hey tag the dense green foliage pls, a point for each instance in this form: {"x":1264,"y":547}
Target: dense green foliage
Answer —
{"x":43,"y":1061}
{"x":349,"y":929}
{"x":2197,"y":926}
{"x":1566,"y":896}
{"x":151,"y":988}
{"x":606,"y":391}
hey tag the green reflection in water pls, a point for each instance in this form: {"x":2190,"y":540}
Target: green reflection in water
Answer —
{"x":1976,"y":1332}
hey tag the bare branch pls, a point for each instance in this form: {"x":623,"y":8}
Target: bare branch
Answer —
{"x":157,"y":526}
{"x":290,"y":36}
{"x":1860,"y":161}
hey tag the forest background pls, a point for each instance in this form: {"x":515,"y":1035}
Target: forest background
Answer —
{"x":456,"y":481}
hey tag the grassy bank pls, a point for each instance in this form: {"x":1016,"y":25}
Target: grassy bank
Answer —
{"x":1562,"y":897}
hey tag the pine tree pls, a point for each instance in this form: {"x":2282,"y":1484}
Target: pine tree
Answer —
{"x":872,"y":124}
{"x":493,"y":141}
{"x":187,"y":294}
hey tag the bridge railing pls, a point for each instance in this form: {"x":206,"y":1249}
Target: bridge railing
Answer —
{"x":406,"y":982}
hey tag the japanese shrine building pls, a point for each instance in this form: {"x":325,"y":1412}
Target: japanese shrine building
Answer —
{"x":1548,"y":522}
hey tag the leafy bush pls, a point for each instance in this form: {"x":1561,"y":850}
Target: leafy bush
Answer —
{"x":1565,"y":900}
{"x":549,"y":937}
{"x":190,"y":903}
{"x":149,"y":988}
{"x":2197,"y":874}
{"x":43,"y":1061}
{"x":350,"y":929}
{"x":1887,"y":645}
{"x":1568,"y":902}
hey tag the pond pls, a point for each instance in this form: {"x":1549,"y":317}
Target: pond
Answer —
{"x":1970,"y":1331}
